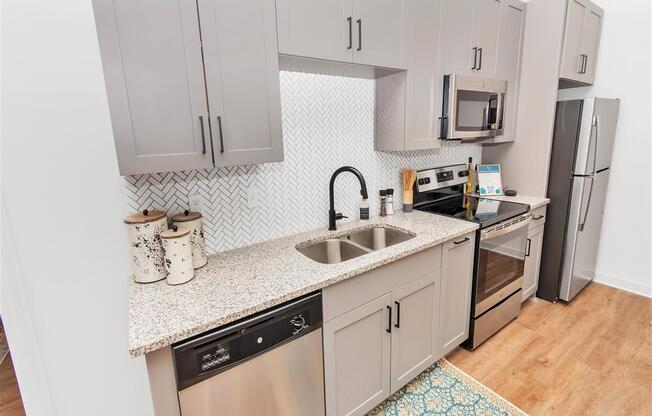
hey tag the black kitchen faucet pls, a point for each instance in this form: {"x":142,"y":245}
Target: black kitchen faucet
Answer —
{"x":332,"y":216}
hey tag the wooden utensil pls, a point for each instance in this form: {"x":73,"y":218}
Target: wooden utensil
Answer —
{"x":408,"y":176}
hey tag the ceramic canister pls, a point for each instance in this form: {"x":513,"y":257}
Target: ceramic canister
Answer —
{"x":192,"y":221}
{"x":178,"y":255}
{"x":145,"y":249}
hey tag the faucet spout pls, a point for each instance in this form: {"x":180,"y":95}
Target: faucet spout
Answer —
{"x":332,"y":215}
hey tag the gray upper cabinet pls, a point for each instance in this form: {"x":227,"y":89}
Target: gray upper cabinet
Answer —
{"x":151,"y":53}
{"x":581,"y":41}
{"x":379,"y":33}
{"x":408,"y":103}
{"x":456,"y":286}
{"x":354,"y":31}
{"x":165,"y":106}
{"x":241,"y":61}
{"x":357,"y":359}
{"x":512,"y":29}
{"x":471,"y":37}
{"x":316,"y":28}
{"x":415,"y":326}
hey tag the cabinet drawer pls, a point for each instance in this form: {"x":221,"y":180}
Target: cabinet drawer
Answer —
{"x":351,"y":293}
{"x":538,"y":217}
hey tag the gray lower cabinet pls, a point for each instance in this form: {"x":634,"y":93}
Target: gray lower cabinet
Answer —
{"x":456,"y":287}
{"x":414,"y":332}
{"x":532,"y":261}
{"x":167,"y":62}
{"x":386,"y":326}
{"x":357,"y":358}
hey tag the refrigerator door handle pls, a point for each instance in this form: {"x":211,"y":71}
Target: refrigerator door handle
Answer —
{"x":594,"y":123}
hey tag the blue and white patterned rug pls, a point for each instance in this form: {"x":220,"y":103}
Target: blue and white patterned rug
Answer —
{"x":445,"y":390}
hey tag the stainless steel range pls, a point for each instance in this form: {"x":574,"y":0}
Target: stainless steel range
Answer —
{"x":501,"y":246}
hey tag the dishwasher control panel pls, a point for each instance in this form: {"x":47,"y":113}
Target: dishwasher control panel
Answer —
{"x":218,"y":350}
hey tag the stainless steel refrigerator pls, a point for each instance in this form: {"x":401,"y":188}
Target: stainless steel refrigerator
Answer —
{"x":577,"y":186}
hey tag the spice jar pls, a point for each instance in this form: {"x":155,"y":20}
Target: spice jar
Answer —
{"x":193,"y":222}
{"x":145,"y":249}
{"x":383,"y":203}
{"x":178,"y":255}
{"x":390,"y":201}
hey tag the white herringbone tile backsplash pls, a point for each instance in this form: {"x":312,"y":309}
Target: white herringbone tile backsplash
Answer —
{"x":328,"y":122}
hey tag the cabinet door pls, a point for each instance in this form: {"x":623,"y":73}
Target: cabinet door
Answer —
{"x":241,"y":60}
{"x":357,"y":358}
{"x":486,"y":26}
{"x":316,"y":29}
{"x":424,"y":84}
{"x":512,"y":25}
{"x":457,"y":282}
{"x":152,"y":58}
{"x":457,"y":24}
{"x":379,"y":33}
{"x":571,"y":61}
{"x":591,"y":41}
{"x":532,"y":262}
{"x":414,"y":332}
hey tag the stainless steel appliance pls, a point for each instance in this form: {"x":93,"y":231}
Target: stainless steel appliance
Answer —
{"x":501,"y":246}
{"x":472,"y":107}
{"x":577,"y":186}
{"x":267,"y":364}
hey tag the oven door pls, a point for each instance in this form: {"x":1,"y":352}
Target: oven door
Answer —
{"x":473,"y":107}
{"x":501,"y":261}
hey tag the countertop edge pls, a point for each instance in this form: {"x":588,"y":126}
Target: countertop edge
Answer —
{"x":139,"y":350}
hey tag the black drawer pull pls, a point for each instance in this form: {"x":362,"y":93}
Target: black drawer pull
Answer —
{"x":461,"y":241}
{"x":398,"y":314}
{"x":389,"y":321}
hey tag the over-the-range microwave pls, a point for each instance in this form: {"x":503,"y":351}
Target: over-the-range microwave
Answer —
{"x":472,"y":107}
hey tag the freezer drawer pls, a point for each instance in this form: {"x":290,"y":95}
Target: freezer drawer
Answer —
{"x":285,"y":381}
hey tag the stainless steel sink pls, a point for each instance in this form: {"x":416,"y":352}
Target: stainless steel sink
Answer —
{"x":332,"y":251}
{"x":378,"y":237}
{"x":355,"y":244}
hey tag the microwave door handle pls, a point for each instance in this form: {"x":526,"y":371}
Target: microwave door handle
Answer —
{"x":485,"y":235}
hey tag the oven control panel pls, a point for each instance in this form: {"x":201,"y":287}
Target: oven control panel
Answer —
{"x":432,"y":179}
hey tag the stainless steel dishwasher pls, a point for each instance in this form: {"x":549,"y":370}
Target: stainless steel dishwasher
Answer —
{"x":268,"y":364}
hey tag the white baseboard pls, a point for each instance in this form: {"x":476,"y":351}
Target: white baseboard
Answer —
{"x":624,"y":284}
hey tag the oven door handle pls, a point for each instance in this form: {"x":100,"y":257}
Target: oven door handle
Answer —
{"x":485,"y":235}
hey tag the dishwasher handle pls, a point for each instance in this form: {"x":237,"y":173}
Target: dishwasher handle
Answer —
{"x":218,"y":350}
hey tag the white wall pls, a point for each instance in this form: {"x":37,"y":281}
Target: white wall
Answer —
{"x":63,"y":243}
{"x":623,"y":71}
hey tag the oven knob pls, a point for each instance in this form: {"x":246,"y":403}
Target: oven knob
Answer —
{"x":427,"y":180}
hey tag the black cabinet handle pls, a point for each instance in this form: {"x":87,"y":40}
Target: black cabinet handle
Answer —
{"x":203,"y":136}
{"x":359,"y":22}
{"x":527,"y":250}
{"x":350,"y":21}
{"x":389,"y":321}
{"x":219,"y":126}
{"x":480,"y":60}
{"x":398,"y":315}
{"x":475,"y":58}
{"x":461,"y":241}
{"x":538,"y":217}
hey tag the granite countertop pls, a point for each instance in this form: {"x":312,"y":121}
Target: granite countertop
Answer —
{"x":533,"y":201}
{"x":246,"y":280}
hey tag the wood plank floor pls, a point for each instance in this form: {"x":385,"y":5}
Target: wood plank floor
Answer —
{"x":592,"y":356}
{"x":10,"y":401}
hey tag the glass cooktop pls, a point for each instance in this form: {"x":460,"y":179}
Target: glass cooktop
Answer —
{"x":484,"y":211}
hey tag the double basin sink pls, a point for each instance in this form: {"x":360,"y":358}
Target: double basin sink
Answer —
{"x":355,"y":244}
